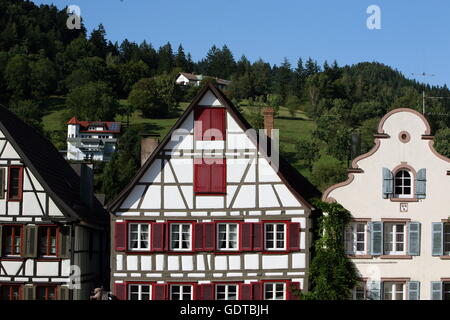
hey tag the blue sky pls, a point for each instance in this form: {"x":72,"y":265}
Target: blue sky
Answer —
{"x":414,"y":35}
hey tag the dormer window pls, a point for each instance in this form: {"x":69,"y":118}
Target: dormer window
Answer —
{"x":403,"y":184}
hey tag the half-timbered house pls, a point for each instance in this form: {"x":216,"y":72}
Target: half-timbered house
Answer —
{"x":210,"y":216}
{"x":52,"y":228}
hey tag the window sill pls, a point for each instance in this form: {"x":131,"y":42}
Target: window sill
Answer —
{"x":444,"y":257}
{"x":393,"y":256}
{"x":404,"y":199}
{"x":359,"y":256}
{"x":12,"y":258}
{"x":210,"y":194}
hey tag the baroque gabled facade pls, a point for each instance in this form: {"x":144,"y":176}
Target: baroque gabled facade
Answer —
{"x":52,"y":231}
{"x":397,"y":193}
{"x":209,"y":216}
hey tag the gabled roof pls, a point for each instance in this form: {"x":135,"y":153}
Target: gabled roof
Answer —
{"x":296,"y":183}
{"x":108,"y":126}
{"x":191,"y":76}
{"x":54,"y":173}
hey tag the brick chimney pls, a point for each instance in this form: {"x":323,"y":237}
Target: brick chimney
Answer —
{"x":268,"y":113}
{"x":149,"y":142}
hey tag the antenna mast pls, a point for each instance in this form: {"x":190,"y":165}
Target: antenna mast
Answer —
{"x":423,"y":74}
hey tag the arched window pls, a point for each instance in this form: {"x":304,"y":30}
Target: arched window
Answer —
{"x":403,"y":183}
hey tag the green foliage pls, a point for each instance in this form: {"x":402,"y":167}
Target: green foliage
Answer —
{"x":93,"y":101}
{"x":327,"y":173}
{"x":332,"y":274}
{"x":293,"y":105}
{"x":307,"y":151}
{"x":155,"y":97}
{"x":255,"y":118}
{"x":17,"y":75}
{"x":442,"y":142}
{"x":29,"y":111}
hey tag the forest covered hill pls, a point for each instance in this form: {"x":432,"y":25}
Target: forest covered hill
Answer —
{"x":49,"y":73}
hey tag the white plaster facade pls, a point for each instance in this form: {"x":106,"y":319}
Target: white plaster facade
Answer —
{"x":403,"y":141}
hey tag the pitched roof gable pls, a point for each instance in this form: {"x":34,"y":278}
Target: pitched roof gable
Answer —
{"x":56,"y":176}
{"x":296,"y":183}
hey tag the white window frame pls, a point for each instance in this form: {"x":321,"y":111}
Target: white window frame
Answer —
{"x":359,"y":285}
{"x":182,"y":293}
{"x":227,"y":237}
{"x":227,"y":291}
{"x":394,"y":238}
{"x":180,"y":238}
{"x":352,"y":232}
{"x":140,"y":291}
{"x":402,"y":185}
{"x":273,"y":290}
{"x":446,"y":240}
{"x":393,"y":286}
{"x":274,"y":236}
{"x":139,"y":232}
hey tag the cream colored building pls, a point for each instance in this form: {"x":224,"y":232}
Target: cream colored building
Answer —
{"x":398,"y":195}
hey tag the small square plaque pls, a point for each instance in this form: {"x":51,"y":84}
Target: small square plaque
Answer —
{"x":403,"y":207}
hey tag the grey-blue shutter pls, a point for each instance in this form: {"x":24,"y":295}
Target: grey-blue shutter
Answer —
{"x":374,"y":289}
{"x":421,"y":184}
{"x":437,"y":238}
{"x":413,"y":290}
{"x":436,"y":290}
{"x":376,"y":238}
{"x":414,"y":238}
{"x":388,"y":183}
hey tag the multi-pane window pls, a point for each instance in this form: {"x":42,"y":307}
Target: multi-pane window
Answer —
{"x":275,"y":236}
{"x":12,"y":240}
{"x":359,"y":292}
{"x":274,"y":291}
{"x":139,"y":236}
{"x":46,"y":293}
{"x":180,"y":236}
{"x":227,"y":234}
{"x":403,"y":184}
{"x":355,"y":238}
{"x":10,"y":292}
{"x":226,"y":292}
{"x":446,"y":290}
{"x":446,"y":238}
{"x":47,"y":241}
{"x":181,"y":292}
{"x":393,"y":291}
{"x":394,"y":238}
{"x":139,"y":292}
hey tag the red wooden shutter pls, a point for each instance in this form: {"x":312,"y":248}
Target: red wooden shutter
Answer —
{"x":120,"y":290}
{"x":257,"y":288}
{"x":202,"y":118}
{"x":245,"y":292}
{"x":199,"y":236}
{"x":246,"y":236}
{"x":207,"y":292}
{"x":158,"y":236}
{"x":219,"y":176}
{"x":258,"y":236}
{"x":202,"y":177}
{"x":210,"y":236}
{"x":218,"y":123}
{"x":294,"y":236}
{"x":292,"y":286}
{"x":120,"y":236}
{"x":160,"y":291}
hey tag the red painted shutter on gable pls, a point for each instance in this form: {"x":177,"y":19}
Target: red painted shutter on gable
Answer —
{"x":245,"y":292}
{"x":246,"y":236}
{"x":199,"y":236}
{"x":160,"y":291}
{"x":120,"y":236}
{"x":158,"y":236}
{"x":258,"y":236}
{"x":202,"y":118}
{"x":294,"y":236}
{"x":210,"y":236}
{"x":218,"y":123}
{"x":120,"y":291}
{"x":207,"y":292}
{"x":257,"y":288}
{"x":202,"y":177}
{"x":292,"y":286}
{"x":219,"y":176}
